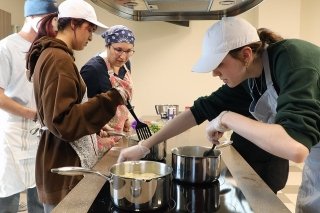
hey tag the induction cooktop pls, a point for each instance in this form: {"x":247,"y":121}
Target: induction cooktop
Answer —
{"x":219,"y":196}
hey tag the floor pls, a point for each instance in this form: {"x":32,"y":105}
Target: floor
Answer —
{"x":288,"y":195}
{"x":23,"y":203}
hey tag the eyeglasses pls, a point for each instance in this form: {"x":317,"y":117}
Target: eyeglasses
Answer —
{"x":119,"y":51}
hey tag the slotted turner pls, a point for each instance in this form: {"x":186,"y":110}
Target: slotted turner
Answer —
{"x":142,"y":129}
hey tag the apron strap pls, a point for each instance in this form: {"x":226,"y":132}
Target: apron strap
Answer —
{"x":266,"y":66}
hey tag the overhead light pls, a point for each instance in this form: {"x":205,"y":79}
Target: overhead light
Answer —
{"x":130,"y":4}
{"x":227,"y":2}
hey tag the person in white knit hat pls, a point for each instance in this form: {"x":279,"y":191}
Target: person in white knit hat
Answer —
{"x":18,"y":146}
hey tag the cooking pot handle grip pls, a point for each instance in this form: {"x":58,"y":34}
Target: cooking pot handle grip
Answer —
{"x":72,"y":171}
{"x":156,"y":107}
{"x":135,"y":188}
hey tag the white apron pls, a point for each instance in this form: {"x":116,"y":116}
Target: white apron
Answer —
{"x":18,"y":149}
{"x":308,"y":200}
{"x":264,"y":109}
{"x":17,"y":146}
{"x":86,"y":147}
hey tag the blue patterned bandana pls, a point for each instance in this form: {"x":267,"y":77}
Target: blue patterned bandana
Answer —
{"x":118,"y":34}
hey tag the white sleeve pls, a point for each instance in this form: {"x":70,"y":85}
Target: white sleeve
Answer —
{"x":5,"y":65}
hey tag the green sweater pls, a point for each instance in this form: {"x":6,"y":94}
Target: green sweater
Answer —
{"x":295,"y":70}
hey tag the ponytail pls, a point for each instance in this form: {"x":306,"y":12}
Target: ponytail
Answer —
{"x":266,"y":36}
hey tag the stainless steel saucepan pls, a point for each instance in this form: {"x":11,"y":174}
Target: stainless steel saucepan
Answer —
{"x":134,"y":185}
{"x":158,"y":152}
{"x":191,"y":165}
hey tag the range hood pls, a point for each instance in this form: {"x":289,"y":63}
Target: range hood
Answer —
{"x":176,"y":11}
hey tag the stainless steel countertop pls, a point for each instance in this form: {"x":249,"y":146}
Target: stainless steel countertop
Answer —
{"x":257,"y":193}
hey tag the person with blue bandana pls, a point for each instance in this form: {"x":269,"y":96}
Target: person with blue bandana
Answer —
{"x":107,"y":69}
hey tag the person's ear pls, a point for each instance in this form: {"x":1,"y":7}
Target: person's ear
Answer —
{"x":246,"y":54}
{"x":72,"y":25}
{"x":54,"y":23}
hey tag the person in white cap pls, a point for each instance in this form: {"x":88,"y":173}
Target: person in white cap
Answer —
{"x":18,"y":146}
{"x":68,"y":120}
{"x":271,"y":97}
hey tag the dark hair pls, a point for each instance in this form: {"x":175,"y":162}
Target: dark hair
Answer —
{"x":63,"y":22}
{"x":266,"y":37}
{"x":46,"y":28}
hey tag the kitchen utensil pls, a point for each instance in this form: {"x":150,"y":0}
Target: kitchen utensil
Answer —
{"x":164,"y":109}
{"x":210,"y":151}
{"x":71,"y":171}
{"x":214,"y":146}
{"x":142,"y":129}
{"x":189,"y":165}
{"x":114,"y":133}
{"x":129,"y":193}
{"x":158,"y":152}
{"x":161,"y":110}
{"x":224,"y":144}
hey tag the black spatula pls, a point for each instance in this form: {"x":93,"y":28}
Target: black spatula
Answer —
{"x":142,"y":129}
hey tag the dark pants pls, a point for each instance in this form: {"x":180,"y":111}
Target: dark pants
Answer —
{"x":273,"y":172}
{"x":11,"y":204}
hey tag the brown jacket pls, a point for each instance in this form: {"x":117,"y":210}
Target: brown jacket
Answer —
{"x":59,"y":90}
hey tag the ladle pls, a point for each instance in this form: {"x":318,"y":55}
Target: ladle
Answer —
{"x":210,"y":152}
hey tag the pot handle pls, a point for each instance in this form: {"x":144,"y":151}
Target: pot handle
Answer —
{"x":156,"y":107}
{"x":223,"y":144}
{"x":135,"y":188}
{"x":71,"y":171}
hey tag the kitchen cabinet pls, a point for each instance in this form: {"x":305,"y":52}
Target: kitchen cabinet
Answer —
{"x":5,"y":24}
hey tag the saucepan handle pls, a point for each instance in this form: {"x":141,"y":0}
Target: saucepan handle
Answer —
{"x":224,"y":144}
{"x":72,"y":170}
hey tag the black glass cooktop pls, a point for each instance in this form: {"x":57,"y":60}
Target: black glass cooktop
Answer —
{"x":220,"y":196}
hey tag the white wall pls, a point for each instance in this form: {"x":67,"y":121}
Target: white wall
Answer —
{"x":282,"y":16}
{"x":310,"y":26}
{"x":165,"y":53}
{"x":162,"y":63}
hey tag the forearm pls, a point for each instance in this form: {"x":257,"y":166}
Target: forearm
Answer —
{"x":269,"y":137}
{"x":12,"y":107}
{"x":179,"y":124}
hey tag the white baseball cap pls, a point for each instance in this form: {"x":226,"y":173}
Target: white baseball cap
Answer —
{"x":82,"y":10}
{"x":227,"y":34}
